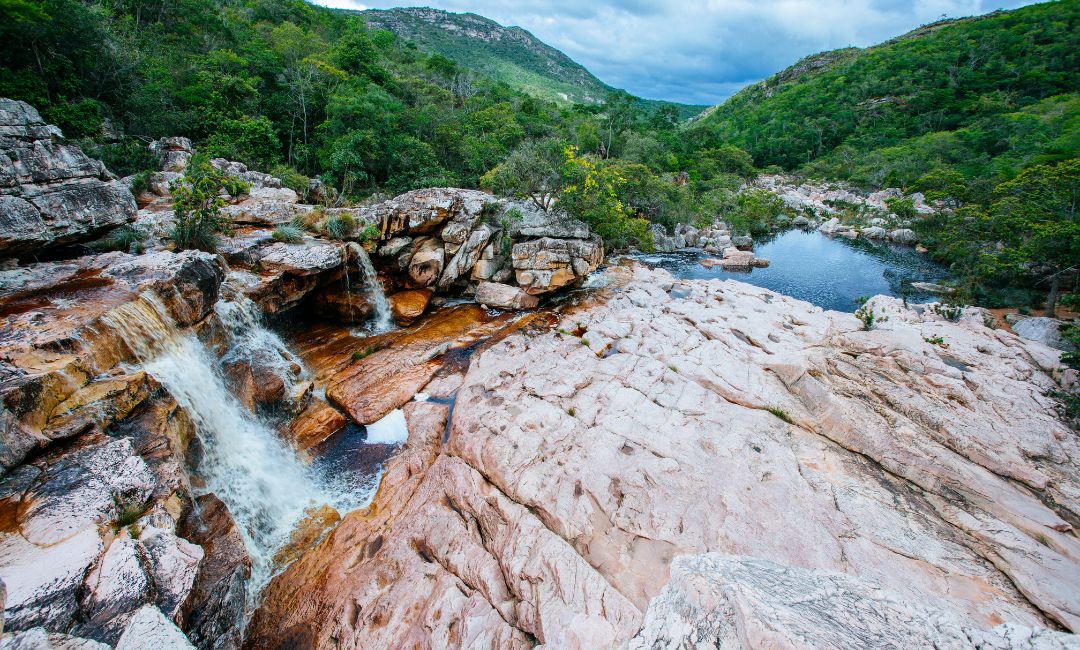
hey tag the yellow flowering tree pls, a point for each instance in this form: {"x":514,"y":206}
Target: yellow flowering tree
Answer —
{"x":592,"y":194}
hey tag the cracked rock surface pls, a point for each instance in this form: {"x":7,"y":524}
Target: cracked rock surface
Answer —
{"x":690,"y":462}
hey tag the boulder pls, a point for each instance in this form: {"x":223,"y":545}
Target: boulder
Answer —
{"x":425,"y":211}
{"x":426,"y":263}
{"x":536,"y":223}
{"x":407,"y":306}
{"x":51,"y":193}
{"x":39,"y":638}
{"x":873,"y":232}
{"x":173,"y":153}
{"x":1044,"y":330}
{"x":466,"y":256}
{"x":742,"y":241}
{"x":831,"y":227}
{"x":504,"y":296}
{"x":903,"y":236}
{"x":546,"y":264}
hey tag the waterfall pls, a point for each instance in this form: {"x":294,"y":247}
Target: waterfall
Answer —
{"x":382,"y":319}
{"x":259,"y":477}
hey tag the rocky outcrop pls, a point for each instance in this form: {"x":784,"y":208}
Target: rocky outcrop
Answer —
{"x":51,"y":193}
{"x":854,"y":484}
{"x":173,"y":153}
{"x":1044,"y":330}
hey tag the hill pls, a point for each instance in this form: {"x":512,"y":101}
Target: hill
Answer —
{"x":508,"y":54}
{"x":957,"y":93}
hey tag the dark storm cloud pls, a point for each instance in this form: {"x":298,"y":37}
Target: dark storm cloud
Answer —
{"x":702,"y":52}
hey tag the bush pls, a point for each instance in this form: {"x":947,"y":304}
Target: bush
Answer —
{"x":592,"y":195}
{"x":197,"y":204}
{"x":369,"y":233}
{"x":249,"y":140}
{"x":124,"y":158}
{"x":290,"y":178}
{"x":125,"y":238}
{"x":866,"y":314}
{"x":902,"y":208}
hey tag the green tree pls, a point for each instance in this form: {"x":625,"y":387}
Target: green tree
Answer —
{"x":532,"y":171}
{"x":197,"y":203}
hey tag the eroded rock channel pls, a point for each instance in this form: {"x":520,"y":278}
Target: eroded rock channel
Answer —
{"x":227,"y":450}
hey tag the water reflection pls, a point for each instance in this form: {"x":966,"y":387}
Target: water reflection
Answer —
{"x":827,"y":272}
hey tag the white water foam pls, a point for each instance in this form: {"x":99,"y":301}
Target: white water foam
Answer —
{"x":259,"y":477}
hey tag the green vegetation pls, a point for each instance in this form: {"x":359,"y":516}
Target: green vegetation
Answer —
{"x":125,"y":238}
{"x":780,"y":413}
{"x":197,"y":203}
{"x":509,"y":54}
{"x":866,"y":314}
{"x":288,"y":233}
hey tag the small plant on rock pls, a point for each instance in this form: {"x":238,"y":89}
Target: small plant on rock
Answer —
{"x":288,"y":233}
{"x":947,"y":311}
{"x":125,"y":238}
{"x":369,"y":233}
{"x":866,"y":314}
{"x":780,"y":413}
{"x":934,"y":340}
{"x":197,"y":203}
{"x":339,"y":226}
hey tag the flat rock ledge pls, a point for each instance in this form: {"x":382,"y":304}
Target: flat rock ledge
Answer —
{"x":710,"y":464}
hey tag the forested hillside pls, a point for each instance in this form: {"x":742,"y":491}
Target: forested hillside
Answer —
{"x":509,"y":54}
{"x":980,"y":97}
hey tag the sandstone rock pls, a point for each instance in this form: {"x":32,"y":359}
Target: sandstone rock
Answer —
{"x":407,"y":306}
{"x":504,"y":296}
{"x":174,"y":153}
{"x":1044,"y":330}
{"x":342,"y":304}
{"x":903,"y":236}
{"x":395,"y":246}
{"x":466,"y":256}
{"x":315,"y":424}
{"x":873,"y":232}
{"x":537,"y":223}
{"x":425,"y":211}
{"x":721,"y":418}
{"x":51,"y":194}
{"x":306,"y":258}
{"x":543,"y":265}
{"x":149,"y":628}
{"x":426,"y":264}
{"x":831,"y":227}
{"x":215,"y":613}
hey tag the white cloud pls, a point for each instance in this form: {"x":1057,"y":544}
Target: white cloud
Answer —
{"x":702,"y":52}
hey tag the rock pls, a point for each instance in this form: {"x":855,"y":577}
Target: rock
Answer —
{"x":537,"y":223}
{"x":307,"y":258}
{"x":118,"y":584}
{"x":51,"y":193}
{"x":342,"y":303}
{"x":903,"y":236}
{"x":424,"y":211}
{"x":395,"y":246}
{"x":43,"y":581}
{"x":307,"y":533}
{"x":320,"y":193}
{"x":544,"y":265}
{"x":1044,"y":330}
{"x":39,"y":638}
{"x":149,"y":628}
{"x":742,"y":241}
{"x":262,"y":211}
{"x":732,"y":601}
{"x":504,"y":296}
{"x":407,"y":306}
{"x":174,"y":153}
{"x":873,"y":232}
{"x":426,"y":264}
{"x":831,"y":227}
{"x":800,"y":222}
{"x":215,"y":612}
{"x":466,"y":256}
{"x":576,"y":470}
{"x":494,"y":258}
{"x":931,"y":287}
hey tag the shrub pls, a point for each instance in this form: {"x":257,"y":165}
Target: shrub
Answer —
{"x":947,"y":311}
{"x":866,"y":314}
{"x":290,"y":178}
{"x":288,"y":233}
{"x":197,"y":204}
{"x":902,"y":208}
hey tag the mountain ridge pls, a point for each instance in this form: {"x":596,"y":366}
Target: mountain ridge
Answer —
{"x":511,"y":54}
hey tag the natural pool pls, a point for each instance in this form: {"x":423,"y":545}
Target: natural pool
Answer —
{"x":829,"y":272}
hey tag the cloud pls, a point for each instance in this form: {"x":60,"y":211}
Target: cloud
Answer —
{"x":701,"y":52}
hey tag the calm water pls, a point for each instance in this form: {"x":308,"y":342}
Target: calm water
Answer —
{"x":809,"y":266}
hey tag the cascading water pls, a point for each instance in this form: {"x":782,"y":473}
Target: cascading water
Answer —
{"x":260,"y":478}
{"x":382,"y":319}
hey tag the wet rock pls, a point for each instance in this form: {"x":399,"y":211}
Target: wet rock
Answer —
{"x":407,"y":306}
{"x":215,"y":612}
{"x":149,"y":628}
{"x":308,"y":532}
{"x":174,"y":153}
{"x":504,"y":296}
{"x":51,"y":193}
{"x":186,"y":282}
{"x":873,"y":232}
{"x":342,"y":304}
{"x":317,"y":422}
{"x":546,"y":264}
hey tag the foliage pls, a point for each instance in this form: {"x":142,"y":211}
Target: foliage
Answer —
{"x":755,"y":211}
{"x":125,"y":238}
{"x":780,"y":413}
{"x":369,"y":233}
{"x":902,"y":208}
{"x":339,"y":226}
{"x":591,"y":193}
{"x":866,"y":314}
{"x":532,"y":171}
{"x":196,"y":204}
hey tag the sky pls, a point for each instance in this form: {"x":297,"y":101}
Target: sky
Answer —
{"x":702,"y":51}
